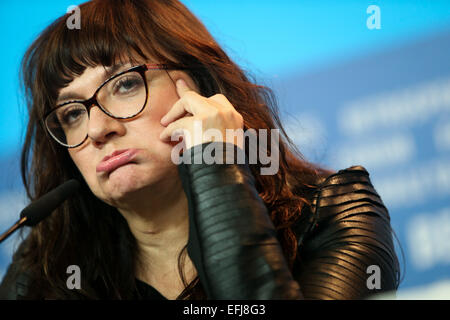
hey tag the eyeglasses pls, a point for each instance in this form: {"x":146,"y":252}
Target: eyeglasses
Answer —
{"x":123,"y":96}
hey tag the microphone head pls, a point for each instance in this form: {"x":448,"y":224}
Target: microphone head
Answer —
{"x":45,"y":205}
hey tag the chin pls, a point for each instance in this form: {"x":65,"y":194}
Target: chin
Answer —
{"x":132,"y":181}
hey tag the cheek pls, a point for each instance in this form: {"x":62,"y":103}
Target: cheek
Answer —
{"x":160,"y":102}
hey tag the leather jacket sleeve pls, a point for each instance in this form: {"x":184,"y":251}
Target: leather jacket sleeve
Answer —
{"x":349,"y":251}
{"x":232,"y":241}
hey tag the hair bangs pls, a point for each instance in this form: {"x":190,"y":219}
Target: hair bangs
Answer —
{"x":106,"y":37}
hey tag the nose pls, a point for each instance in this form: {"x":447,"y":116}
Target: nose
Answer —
{"x":102,"y":127}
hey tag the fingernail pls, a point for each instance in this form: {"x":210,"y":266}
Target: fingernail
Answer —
{"x":181,"y":82}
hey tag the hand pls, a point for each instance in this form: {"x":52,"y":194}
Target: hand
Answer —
{"x":193,"y":112}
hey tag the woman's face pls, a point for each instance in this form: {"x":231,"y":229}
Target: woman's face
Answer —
{"x":148,"y":165}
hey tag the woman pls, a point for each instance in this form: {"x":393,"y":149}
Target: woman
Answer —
{"x":106,"y":105}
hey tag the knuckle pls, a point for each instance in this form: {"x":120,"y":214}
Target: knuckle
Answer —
{"x":216,"y":112}
{"x":228,"y":113}
{"x":218,"y":96}
{"x":238,"y":119}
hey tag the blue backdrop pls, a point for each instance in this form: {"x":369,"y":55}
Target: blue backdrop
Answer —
{"x":348,"y":94}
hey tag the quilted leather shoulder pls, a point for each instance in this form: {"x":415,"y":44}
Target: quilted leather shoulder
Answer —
{"x":350,"y":231}
{"x":344,"y":190}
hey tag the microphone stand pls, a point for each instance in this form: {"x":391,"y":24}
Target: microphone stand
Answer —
{"x":16,"y":226}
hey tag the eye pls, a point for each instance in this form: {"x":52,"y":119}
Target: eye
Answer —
{"x":71,"y":115}
{"x":127,"y":85}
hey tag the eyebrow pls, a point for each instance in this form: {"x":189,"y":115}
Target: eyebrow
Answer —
{"x":109,"y":72}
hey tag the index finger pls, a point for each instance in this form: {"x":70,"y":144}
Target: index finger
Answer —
{"x":182,"y":87}
{"x":191,"y":104}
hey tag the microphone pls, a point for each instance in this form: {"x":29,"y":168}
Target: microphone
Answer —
{"x":41,"y":208}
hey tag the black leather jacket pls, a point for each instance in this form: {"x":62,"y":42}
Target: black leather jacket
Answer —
{"x":233,"y":244}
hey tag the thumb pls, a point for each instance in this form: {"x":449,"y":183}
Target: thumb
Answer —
{"x":182,"y":87}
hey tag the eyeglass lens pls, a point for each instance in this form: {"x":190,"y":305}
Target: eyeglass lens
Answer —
{"x":122,"y":97}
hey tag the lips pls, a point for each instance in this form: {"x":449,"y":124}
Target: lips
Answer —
{"x":116,"y":159}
